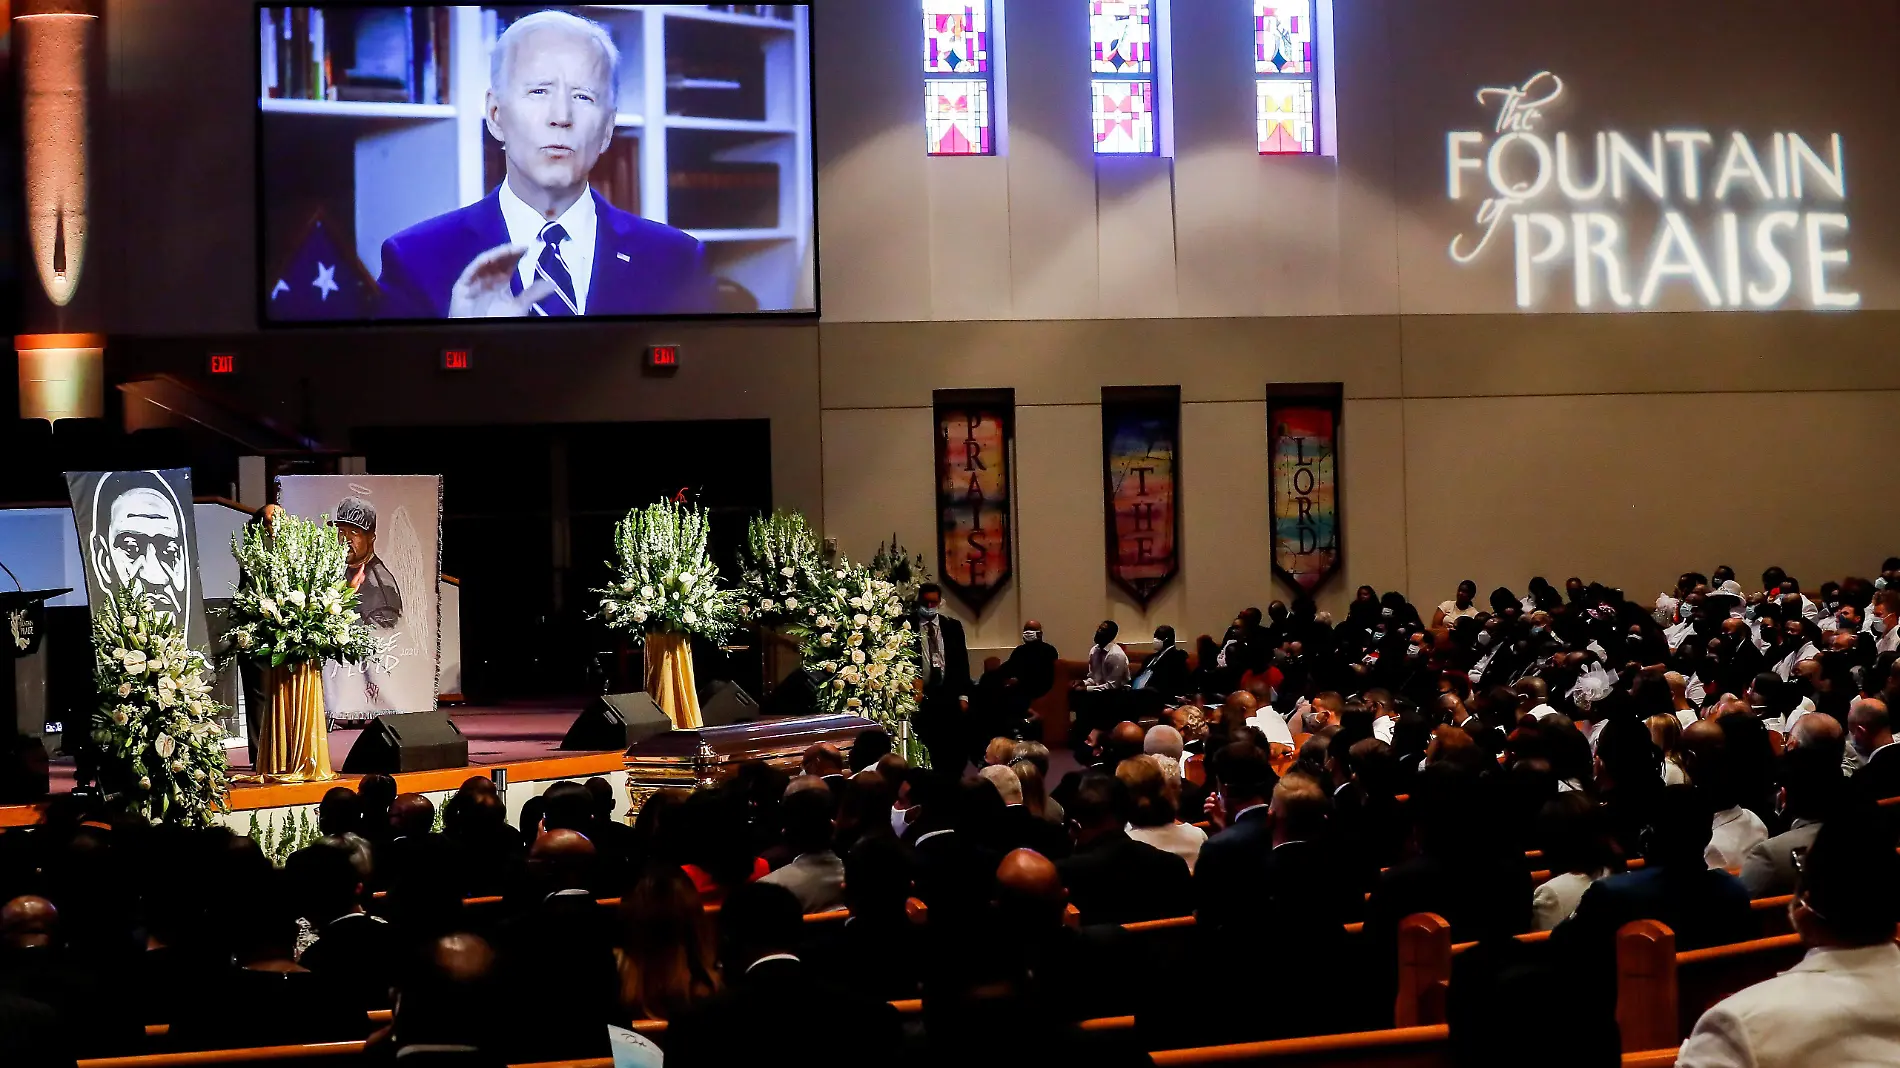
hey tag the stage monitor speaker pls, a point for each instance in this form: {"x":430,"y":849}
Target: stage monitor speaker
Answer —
{"x":616,"y":721}
{"x":797,"y":695}
{"x":408,"y":741}
{"x":727,"y":704}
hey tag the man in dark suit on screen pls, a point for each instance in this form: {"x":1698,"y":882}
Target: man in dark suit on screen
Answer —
{"x":543,"y":243}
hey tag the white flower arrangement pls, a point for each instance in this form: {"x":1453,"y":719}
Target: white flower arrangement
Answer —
{"x":785,"y":575}
{"x":293,"y":603}
{"x":665,"y":579}
{"x":907,"y":573}
{"x":160,"y":746}
{"x":862,"y":642}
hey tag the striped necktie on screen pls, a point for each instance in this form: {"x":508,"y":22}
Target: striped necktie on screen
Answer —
{"x":552,"y":267}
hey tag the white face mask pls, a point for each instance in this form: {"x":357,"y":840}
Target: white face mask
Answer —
{"x":898,"y":820}
{"x":1032,"y":635}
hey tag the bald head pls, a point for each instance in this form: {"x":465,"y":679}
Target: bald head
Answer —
{"x":1239,"y":705}
{"x":1028,"y":887}
{"x":1869,"y":723}
{"x":411,"y":814}
{"x":563,"y":859}
{"x":28,"y":923}
{"x":1126,"y":740}
{"x":1531,"y":692}
{"x":823,"y":758}
{"x":1817,"y":732}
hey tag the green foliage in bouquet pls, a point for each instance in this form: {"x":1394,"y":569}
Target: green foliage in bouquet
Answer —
{"x":286,"y":835}
{"x":292,"y":604}
{"x":161,"y":748}
{"x":785,"y":572}
{"x":894,"y":565}
{"x":862,"y":642}
{"x":665,"y":579}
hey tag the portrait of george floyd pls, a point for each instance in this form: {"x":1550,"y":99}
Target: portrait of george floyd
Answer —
{"x":136,"y":532}
{"x":544,"y":242}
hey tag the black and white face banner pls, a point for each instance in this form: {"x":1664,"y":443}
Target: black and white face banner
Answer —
{"x":136,"y":533}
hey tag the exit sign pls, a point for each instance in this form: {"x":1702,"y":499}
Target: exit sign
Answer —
{"x":222,"y":363}
{"x":455,"y":359}
{"x":663,"y":357}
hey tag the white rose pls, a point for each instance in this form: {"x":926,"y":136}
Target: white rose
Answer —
{"x":639,"y":615}
{"x":852,"y":702}
{"x":244,"y":639}
{"x":791,"y":603}
{"x":766,"y":605}
{"x":786,"y":571}
{"x":646,"y":592}
{"x":857,"y":656}
{"x":860,"y":619}
{"x":145,"y":782}
{"x":837,"y":684}
{"x":130,"y":623}
{"x":691,"y":617}
{"x":119,"y":717}
{"x":295,"y":597}
{"x":125,"y":689}
{"x":811,"y":611}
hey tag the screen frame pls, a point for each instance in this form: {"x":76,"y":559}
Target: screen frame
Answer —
{"x":262,"y":268}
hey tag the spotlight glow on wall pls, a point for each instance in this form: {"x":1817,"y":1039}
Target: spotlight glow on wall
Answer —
{"x":55,"y":56}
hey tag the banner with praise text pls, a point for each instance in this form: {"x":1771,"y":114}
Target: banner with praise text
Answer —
{"x":974,"y":429}
{"x":1141,"y":437}
{"x":1303,"y":456}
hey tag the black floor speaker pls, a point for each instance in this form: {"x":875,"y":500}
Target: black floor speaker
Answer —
{"x":797,"y":695}
{"x":727,"y":704}
{"x":408,"y":741}
{"x":616,"y":721}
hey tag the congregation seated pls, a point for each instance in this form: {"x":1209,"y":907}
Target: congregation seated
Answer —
{"x":1003,"y":910}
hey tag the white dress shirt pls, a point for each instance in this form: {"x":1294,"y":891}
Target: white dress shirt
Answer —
{"x":1108,"y":667}
{"x":1273,"y":725}
{"x":1786,"y":668}
{"x":1736,"y":831}
{"x":581,"y":224}
{"x":1184,"y":840}
{"x":1554,"y":900}
{"x":1835,"y":1008}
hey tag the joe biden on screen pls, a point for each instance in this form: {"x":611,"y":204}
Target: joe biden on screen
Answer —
{"x":543,"y":243}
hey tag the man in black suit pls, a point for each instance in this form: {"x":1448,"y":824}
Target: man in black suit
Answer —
{"x":1870,"y":732}
{"x":1007,"y":692}
{"x":561,"y":946}
{"x":1111,"y":878}
{"x":1227,"y":875}
{"x":358,"y":951}
{"x":771,"y":993}
{"x":878,"y":951}
{"x":1021,"y":828}
{"x":951,"y":844}
{"x":1704,"y":906}
{"x":945,"y":670}
{"x":1165,"y":675}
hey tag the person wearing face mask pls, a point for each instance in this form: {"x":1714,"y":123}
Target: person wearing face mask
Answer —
{"x":1165,"y":674}
{"x":1007,"y":692}
{"x":944,"y":669}
{"x":1870,"y":735}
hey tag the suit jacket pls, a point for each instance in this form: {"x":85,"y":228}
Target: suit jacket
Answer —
{"x":956,"y":661}
{"x":1033,"y":666}
{"x":1023,"y":829}
{"x":766,"y":1016}
{"x":640,"y":267}
{"x":1703,"y":906}
{"x":1115,"y":879}
{"x":1167,"y":672}
{"x":816,"y":879}
{"x":1880,"y":778}
{"x":562,"y":949}
{"x":1228,"y":873}
{"x":31,"y":1034}
{"x":1768,"y":870}
{"x":1836,"y":1007}
{"x":360,"y":952}
{"x":954,"y":876}
{"x":76,"y":989}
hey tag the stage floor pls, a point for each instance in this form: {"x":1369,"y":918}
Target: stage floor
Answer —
{"x":497,"y":734}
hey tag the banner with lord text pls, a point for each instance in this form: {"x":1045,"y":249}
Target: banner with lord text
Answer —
{"x":1303,"y":454}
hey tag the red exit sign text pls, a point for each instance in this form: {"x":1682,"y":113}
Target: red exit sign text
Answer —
{"x":663,"y":357}
{"x":223,"y":363}
{"x":455,"y":359}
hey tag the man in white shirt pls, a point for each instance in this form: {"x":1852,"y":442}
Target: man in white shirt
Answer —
{"x":1801,"y":649}
{"x":1098,"y":700}
{"x":1841,"y":1005}
{"x":1736,"y":831}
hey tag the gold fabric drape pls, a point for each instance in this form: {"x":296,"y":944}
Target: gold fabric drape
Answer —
{"x":669,"y":671}
{"x":293,"y":740}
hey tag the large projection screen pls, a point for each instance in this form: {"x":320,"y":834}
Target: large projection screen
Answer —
{"x":523,"y":161}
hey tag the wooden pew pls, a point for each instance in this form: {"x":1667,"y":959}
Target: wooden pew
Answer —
{"x":1660,"y":993}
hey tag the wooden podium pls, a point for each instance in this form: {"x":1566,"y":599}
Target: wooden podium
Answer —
{"x":23,"y":757}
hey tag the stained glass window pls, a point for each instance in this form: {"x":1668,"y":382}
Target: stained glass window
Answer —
{"x":1122,"y":42}
{"x":958,"y":70}
{"x":1286,"y":70}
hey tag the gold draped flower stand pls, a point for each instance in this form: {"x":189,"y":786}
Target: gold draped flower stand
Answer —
{"x":293,"y":740}
{"x":669,"y":678}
